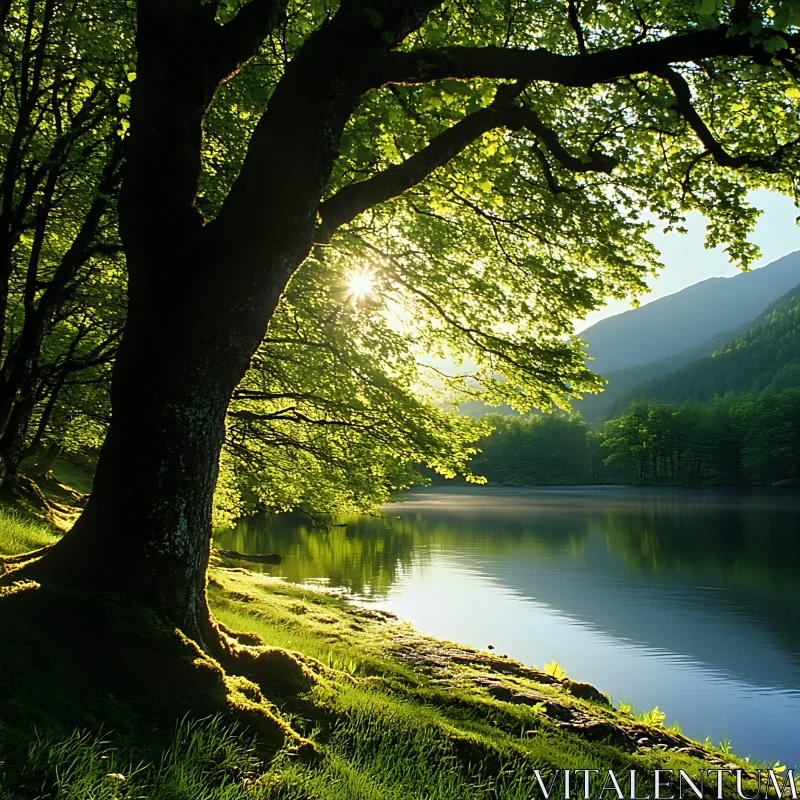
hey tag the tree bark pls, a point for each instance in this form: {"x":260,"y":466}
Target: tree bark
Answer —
{"x":147,"y":527}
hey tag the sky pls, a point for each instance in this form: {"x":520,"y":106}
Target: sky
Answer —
{"x":686,"y":261}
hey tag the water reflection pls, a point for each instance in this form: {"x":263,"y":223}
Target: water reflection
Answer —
{"x":686,"y":598}
{"x":365,"y":555}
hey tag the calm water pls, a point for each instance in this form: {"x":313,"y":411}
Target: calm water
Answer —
{"x":684,"y":598}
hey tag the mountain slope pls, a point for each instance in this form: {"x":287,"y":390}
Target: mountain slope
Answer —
{"x":689,"y":318}
{"x":622,"y":382}
{"x":767,"y":353}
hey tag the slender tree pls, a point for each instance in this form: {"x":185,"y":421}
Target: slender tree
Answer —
{"x":61,"y":169}
{"x":491,"y":160}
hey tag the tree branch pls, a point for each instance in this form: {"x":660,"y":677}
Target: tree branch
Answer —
{"x":291,"y":414}
{"x":596,"y":162}
{"x":576,"y":25}
{"x":645,"y":28}
{"x":683,"y":97}
{"x":354,"y":199}
{"x":242,"y":36}
{"x":423,"y":66}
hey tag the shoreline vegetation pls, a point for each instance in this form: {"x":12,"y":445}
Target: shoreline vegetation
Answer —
{"x":382,"y":711}
{"x":740,"y":441}
{"x":731,"y":418}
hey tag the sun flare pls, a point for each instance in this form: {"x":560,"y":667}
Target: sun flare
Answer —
{"x":360,"y":284}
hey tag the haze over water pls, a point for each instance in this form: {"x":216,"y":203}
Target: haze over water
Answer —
{"x":683,"y":598}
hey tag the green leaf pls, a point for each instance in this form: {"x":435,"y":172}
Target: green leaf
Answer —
{"x":554,"y":670}
{"x":654,"y":718}
{"x":706,"y":8}
{"x":374,"y":16}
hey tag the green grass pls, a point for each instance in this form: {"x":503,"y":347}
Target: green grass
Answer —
{"x":376,"y":752}
{"x":19,"y":535}
{"x":72,"y":474}
{"x":379,"y":747}
{"x":383,"y":729}
{"x":207,"y":760}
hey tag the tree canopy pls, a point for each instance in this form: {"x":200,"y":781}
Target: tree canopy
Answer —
{"x":491,"y":215}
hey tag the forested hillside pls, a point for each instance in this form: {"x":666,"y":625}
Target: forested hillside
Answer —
{"x":647,"y":343}
{"x":545,"y":450}
{"x":622,"y":382}
{"x":730,"y":418}
{"x":746,"y":439}
{"x":733,"y":440}
{"x":767,"y":353}
{"x":687,"y":319}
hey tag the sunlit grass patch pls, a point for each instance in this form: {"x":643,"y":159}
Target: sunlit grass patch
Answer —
{"x":374,"y":746}
{"x":20,"y":535}
{"x":301,"y":619}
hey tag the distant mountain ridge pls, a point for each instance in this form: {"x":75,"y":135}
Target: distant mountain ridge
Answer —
{"x":689,"y":319}
{"x":766,"y":354}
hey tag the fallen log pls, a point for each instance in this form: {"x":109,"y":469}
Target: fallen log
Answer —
{"x":258,"y":558}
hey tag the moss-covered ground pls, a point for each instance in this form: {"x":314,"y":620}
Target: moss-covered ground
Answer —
{"x":391,"y":713}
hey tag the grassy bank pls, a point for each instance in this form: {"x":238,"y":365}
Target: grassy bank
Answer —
{"x":392,"y":714}
{"x":20,"y":535}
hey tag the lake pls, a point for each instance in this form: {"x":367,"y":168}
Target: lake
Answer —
{"x":687,"y":599}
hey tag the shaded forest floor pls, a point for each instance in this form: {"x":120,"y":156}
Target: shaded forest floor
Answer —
{"x":390,"y":713}
{"x":55,"y":498}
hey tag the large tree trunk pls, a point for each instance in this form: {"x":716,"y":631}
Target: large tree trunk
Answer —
{"x":147,"y":527}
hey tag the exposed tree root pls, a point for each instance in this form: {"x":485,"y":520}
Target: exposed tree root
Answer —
{"x":53,"y":488}
{"x":21,"y":568}
{"x":65,"y":502}
{"x":239,"y":636}
{"x":44,"y":498}
{"x":278,"y":673}
{"x":22,"y":557}
{"x":223,"y":672}
{"x":24,"y":493}
{"x":114,"y":663}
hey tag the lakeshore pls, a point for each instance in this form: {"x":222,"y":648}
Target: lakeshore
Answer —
{"x":385,"y":710}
